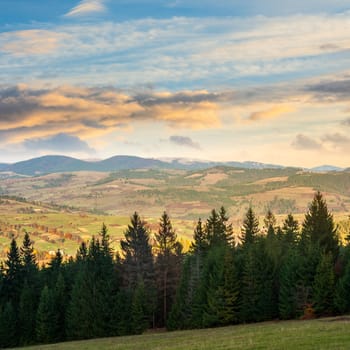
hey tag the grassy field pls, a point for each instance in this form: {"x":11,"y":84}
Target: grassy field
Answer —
{"x":185,"y":194}
{"x":51,"y":229}
{"x":331,"y":333}
{"x":87,"y":199}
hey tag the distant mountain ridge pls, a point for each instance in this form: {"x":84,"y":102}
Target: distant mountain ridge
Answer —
{"x":326,"y":168}
{"x":56,"y":163}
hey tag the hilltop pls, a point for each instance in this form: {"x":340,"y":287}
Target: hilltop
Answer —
{"x":56,"y":163}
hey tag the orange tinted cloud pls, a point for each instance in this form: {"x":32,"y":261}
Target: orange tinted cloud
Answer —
{"x":272,"y":112}
{"x":89,"y":113}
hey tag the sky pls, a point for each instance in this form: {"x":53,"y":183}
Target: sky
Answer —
{"x":225,"y":80}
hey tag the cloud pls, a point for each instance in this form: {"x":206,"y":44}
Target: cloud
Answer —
{"x":184,"y":141}
{"x":35,"y":42}
{"x":87,"y":7}
{"x":328,"y":90}
{"x":337,"y":141}
{"x":191,"y":52}
{"x":304,"y":142}
{"x":346,"y":122}
{"x":61,"y":143}
{"x":91,"y":112}
{"x":270,"y":113}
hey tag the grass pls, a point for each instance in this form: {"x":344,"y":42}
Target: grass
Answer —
{"x":332,"y":333}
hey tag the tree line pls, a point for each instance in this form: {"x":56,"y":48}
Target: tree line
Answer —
{"x":278,"y":272}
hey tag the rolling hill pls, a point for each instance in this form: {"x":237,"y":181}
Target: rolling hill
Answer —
{"x":56,"y":163}
{"x":184,"y":194}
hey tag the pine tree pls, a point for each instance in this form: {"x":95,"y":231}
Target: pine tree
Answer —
{"x":139,"y":312}
{"x":82,"y":252}
{"x":45,"y":317}
{"x":218,"y":230}
{"x":28,"y":256}
{"x":200,"y":239}
{"x":8,"y":326}
{"x":250,"y":228}
{"x":79,"y":315}
{"x":137,"y":252}
{"x":342,"y":291}
{"x":323,"y":288}
{"x":221,"y":287}
{"x":231,"y":287}
{"x":168,"y":265}
{"x":226,"y":227}
{"x":250,"y":288}
{"x":27,"y":314}
{"x":287,"y":302}
{"x":270,"y":223}
{"x":318,"y":226}
{"x":212,"y":286}
{"x":105,"y":240}
{"x":122,"y":317}
{"x":290,"y":230}
{"x":14,"y":275}
{"x":59,"y":300}
{"x":181,"y":311}
{"x":53,"y":269}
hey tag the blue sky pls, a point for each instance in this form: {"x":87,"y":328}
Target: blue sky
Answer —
{"x":225,"y":80}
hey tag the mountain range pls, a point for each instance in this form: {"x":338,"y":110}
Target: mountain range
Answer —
{"x":56,"y":163}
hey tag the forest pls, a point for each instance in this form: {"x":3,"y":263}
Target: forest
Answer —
{"x":289,"y":271}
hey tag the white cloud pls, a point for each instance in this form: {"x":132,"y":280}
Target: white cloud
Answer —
{"x":194,"y":52}
{"x":87,"y":7}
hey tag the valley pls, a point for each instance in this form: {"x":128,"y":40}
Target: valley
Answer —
{"x":60,"y":210}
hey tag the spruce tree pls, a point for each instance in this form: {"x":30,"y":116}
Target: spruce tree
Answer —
{"x":212,"y":285}
{"x":342,"y":291}
{"x":59,"y":299}
{"x":79,"y":315}
{"x":139,"y":312}
{"x":270,"y":223}
{"x":138,"y":259}
{"x":28,"y":256}
{"x":231,"y":288}
{"x":8,"y":326}
{"x":27,"y":314}
{"x":250,"y":228}
{"x":13,"y":280}
{"x":181,"y":311}
{"x":290,"y":230}
{"x":318,"y":226}
{"x":250,"y":288}
{"x":323,"y":287}
{"x":218,"y":230}
{"x":287,"y":302}
{"x":168,"y":265}
{"x":45,"y":317}
{"x":200,"y":239}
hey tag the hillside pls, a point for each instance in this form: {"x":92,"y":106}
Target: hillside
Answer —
{"x":326,"y":334}
{"x":64,"y":228}
{"x":185,"y":194}
{"x":56,"y":163}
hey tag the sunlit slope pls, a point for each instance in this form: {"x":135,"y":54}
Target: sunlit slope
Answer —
{"x":185,"y":194}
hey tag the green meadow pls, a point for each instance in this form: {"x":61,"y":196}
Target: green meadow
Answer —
{"x":329,"y":333}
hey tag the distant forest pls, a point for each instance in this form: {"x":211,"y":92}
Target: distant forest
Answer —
{"x":275,"y":272}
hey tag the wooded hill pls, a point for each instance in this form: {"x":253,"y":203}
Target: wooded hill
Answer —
{"x":275,"y":271}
